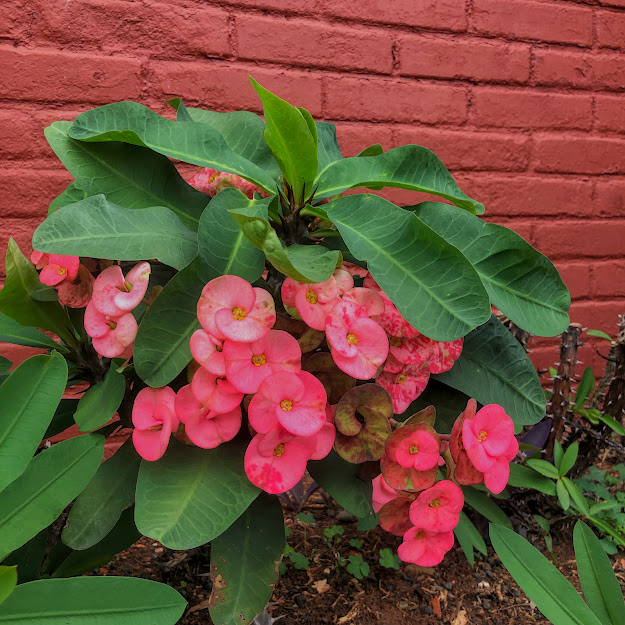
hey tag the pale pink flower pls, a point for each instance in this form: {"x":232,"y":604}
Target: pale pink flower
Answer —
{"x":215,"y":392}
{"x":369,"y":299}
{"x":424,"y":547}
{"x":344,"y":279}
{"x":444,"y":354}
{"x":207,"y":351}
{"x":154,"y":418}
{"x":115,"y":295}
{"x":438,"y":508}
{"x":324,"y":438}
{"x":110,"y":335}
{"x":313,"y":301}
{"x":59,"y":269}
{"x":405,"y":385}
{"x":411,"y":351}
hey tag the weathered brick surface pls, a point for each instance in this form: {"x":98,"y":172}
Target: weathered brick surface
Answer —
{"x":522,"y":99}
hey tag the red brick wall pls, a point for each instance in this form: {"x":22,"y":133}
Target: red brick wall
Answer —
{"x":523,"y":100}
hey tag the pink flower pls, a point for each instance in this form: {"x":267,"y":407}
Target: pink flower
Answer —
{"x":391,"y":320}
{"x":369,"y":299}
{"x":382,"y":493}
{"x":496,"y":478}
{"x":231,"y":308}
{"x":296,"y":401}
{"x":324,"y":438}
{"x":205,"y":428}
{"x":420,"y":451}
{"x":77,"y":294}
{"x":248,"y":364}
{"x":59,"y":269}
{"x":344,"y":279}
{"x":313,"y":301}
{"x":110,"y":335}
{"x":424,"y":547}
{"x":208,"y":352}
{"x":411,"y":351}
{"x":443,"y":355}
{"x":115,"y":295}
{"x":215,"y":392}
{"x":438,"y":508}
{"x":464,"y":472}
{"x":212,"y":181}
{"x":276,"y":461}
{"x":405,"y":385}
{"x":154,"y":418}
{"x":394,"y":515}
{"x":358,"y":344}
{"x":39,"y":259}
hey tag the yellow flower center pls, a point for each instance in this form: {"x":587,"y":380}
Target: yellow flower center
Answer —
{"x":278,"y":450}
{"x":352,"y":339}
{"x":413,"y":449}
{"x":434,"y":503}
{"x":395,"y":341}
{"x":481,"y":437}
{"x":312,"y":297}
{"x":124,"y":288}
{"x":420,"y":534}
{"x":238,"y":313}
{"x":286,"y":405}
{"x":62,"y":271}
{"x":111,"y":324}
{"x":258,"y":360}
{"x":214,"y":177}
{"x":401,"y":378}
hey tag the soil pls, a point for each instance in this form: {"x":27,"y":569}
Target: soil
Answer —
{"x":452,"y":593}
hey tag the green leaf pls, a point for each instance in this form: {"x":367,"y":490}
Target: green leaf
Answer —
{"x":63,"y":417}
{"x":569,"y":458}
{"x":328,"y":150}
{"x":192,"y":495}
{"x":306,"y":263}
{"x":558,"y":454}
{"x":128,"y":175}
{"x":599,"y":584}
{"x":540,"y":580}
{"x":8,"y":581}
{"x":15,"y":333}
{"x":407,"y":167}
{"x":520,"y":281}
{"x":340,"y":479}
{"x":198,"y":144}
{"x":98,"y":508}
{"x":542,"y":521}
{"x":485,"y":506}
{"x":585,"y":386}
{"x":543,"y":467}
{"x":100,"y":403}
{"x":29,"y":557}
{"x":563,"y":495}
{"x":28,"y":400}
{"x":244,"y":562}
{"x":388,"y":559}
{"x":305,"y":517}
{"x":97,"y":228}
{"x":93,"y":600}
{"x":288,"y":135}
{"x":524,"y":477}
{"x":372,"y":150}
{"x":16,"y":298}
{"x":612,"y":423}
{"x":600,"y":334}
{"x":469,"y":538}
{"x":495,"y":369}
{"x":430,"y":281}
{"x":53,"y":478}
{"x":576,"y":495}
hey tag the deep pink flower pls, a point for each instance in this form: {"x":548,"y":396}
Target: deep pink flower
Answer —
{"x":443,"y":355}
{"x":358,"y":344}
{"x":324,"y":438}
{"x":215,"y":392}
{"x":464,"y":472}
{"x":420,"y":451}
{"x":110,"y":335}
{"x":212,"y":181}
{"x":59,"y":269}
{"x":382,"y":493}
{"x":205,"y":428}
{"x":77,"y":294}
{"x":115,"y":295}
{"x":276,"y":461}
{"x":39,"y":259}
{"x":496,"y":478}
{"x":438,"y":508}
{"x":369,"y":299}
{"x":296,"y":401}
{"x":231,"y":308}
{"x":405,"y":385}
{"x":154,"y":418}
{"x":424,"y":547}
{"x":207,"y":351}
{"x":248,"y":364}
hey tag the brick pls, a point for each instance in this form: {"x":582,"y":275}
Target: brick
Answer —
{"x":610,"y":200}
{"x":472,"y":59}
{"x":439,"y":15}
{"x":613,"y":3}
{"x":516,"y":108}
{"x":378,"y":99}
{"x":354,"y":138}
{"x":226,"y":87}
{"x":579,"y":155}
{"x":609,"y":71}
{"x":576,"y":276}
{"x":65,"y":77}
{"x":532,"y":20}
{"x":25,"y":192}
{"x":608,"y":279}
{"x":311,"y":44}
{"x":609,"y":113}
{"x":13,"y":19}
{"x":562,"y":67}
{"x":158,"y":28}
{"x":17,"y":354}
{"x":598,"y":315}
{"x":283,"y":6}
{"x":611,"y":29}
{"x":470,"y":149}
{"x":528,"y":195}
{"x":593,"y":239}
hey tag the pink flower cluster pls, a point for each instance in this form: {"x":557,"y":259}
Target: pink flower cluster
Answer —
{"x":212,"y":181}
{"x":73,"y":281}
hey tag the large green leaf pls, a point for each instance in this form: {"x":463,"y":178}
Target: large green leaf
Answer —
{"x":469,"y":539}
{"x":98,"y":508}
{"x":97,"y":228}
{"x":601,"y":588}
{"x":494,"y":369}
{"x":408,"y":167}
{"x":524,"y":477}
{"x":53,"y":478}
{"x":288,"y":135}
{"x":244,"y":563}
{"x":340,"y":479}
{"x":328,"y":150}
{"x":28,"y":400}
{"x":63,"y":417}
{"x":93,"y":600}
{"x":192,"y":495}
{"x":485,"y":506}
{"x":100,"y":403}
{"x":16,"y":297}
{"x":198,"y":144}
{"x":14,"y":332}
{"x":29,"y":557}
{"x":520,"y":281}
{"x":8,"y":580}
{"x":553,"y":595}
{"x":129,"y":175}
{"x":432,"y":284}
